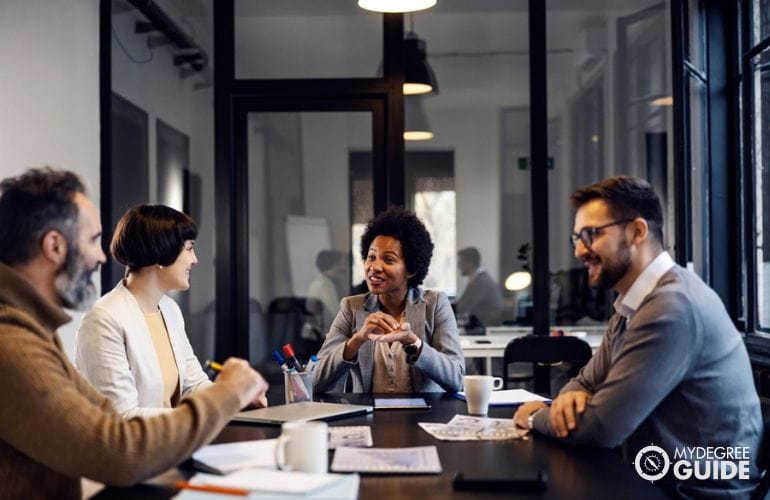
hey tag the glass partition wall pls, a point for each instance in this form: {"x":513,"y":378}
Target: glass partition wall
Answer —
{"x":609,"y":113}
{"x":160,"y":123}
{"x":310,"y":126}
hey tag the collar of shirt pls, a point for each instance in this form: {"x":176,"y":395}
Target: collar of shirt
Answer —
{"x":626,"y":305}
{"x":413,"y":295}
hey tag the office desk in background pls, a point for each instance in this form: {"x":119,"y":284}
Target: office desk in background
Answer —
{"x":492,"y":345}
{"x":573,"y":472}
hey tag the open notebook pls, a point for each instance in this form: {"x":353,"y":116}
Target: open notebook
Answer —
{"x":306,"y":410}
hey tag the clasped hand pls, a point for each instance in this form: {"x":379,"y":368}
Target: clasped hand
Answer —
{"x":382,"y":327}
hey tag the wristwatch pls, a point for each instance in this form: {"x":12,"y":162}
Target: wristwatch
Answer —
{"x":413,"y":351}
{"x":531,"y":418}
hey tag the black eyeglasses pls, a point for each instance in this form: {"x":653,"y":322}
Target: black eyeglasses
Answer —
{"x":587,"y":234}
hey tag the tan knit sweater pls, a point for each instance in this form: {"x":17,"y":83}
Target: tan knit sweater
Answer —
{"x":55,"y":427}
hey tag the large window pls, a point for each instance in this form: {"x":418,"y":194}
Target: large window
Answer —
{"x":755,"y":106}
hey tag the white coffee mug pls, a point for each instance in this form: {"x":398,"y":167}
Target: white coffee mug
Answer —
{"x":303,"y":447}
{"x":478,"y":389}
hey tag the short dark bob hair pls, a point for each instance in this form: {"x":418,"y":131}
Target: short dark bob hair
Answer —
{"x":147,"y":235}
{"x":627,"y":198}
{"x":404,"y":226}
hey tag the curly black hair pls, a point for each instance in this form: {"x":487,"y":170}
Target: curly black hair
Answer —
{"x":403,"y":225}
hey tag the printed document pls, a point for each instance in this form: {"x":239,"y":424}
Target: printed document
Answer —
{"x":414,"y":460}
{"x":467,"y":428}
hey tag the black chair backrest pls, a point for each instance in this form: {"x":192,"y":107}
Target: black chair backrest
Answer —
{"x":543,"y":352}
{"x":296,"y":321}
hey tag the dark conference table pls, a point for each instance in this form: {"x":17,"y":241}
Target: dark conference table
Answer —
{"x":573,"y":472}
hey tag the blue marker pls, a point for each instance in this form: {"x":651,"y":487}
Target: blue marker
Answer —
{"x":279,"y":359}
{"x":311,"y":364}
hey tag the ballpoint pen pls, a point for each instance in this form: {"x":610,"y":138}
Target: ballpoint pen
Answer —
{"x":184,"y":485}
{"x":217,"y":367}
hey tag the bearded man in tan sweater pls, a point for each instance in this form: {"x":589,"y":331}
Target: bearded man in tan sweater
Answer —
{"x":54,"y":427}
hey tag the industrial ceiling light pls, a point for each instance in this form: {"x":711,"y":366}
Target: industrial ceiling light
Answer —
{"x":418,"y":75}
{"x":396,"y":5}
{"x":416,"y":127}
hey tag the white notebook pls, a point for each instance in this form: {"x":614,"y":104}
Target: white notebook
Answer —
{"x":414,"y":460}
{"x":511,"y":397}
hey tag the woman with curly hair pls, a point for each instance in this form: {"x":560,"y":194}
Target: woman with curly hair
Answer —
{"x":397,"y":338}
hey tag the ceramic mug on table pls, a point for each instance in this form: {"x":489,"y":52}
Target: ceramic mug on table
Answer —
{"x":478,"y":389}
{"x":303,"y":447}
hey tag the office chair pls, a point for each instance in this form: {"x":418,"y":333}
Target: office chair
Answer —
{"x":296,"y":320}
{"x":544,"y":352}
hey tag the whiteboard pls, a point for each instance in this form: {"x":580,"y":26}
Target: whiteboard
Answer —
{"x":305,"y":237}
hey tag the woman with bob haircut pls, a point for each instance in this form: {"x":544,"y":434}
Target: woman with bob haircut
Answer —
{"x":132,"y":344}
{"x":397,"y":338}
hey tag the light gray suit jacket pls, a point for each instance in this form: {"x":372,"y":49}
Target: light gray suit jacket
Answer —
{"x":114,"y":352}
{"x":441,"y":364}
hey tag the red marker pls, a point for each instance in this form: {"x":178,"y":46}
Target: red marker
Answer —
{"x":291,"y":359}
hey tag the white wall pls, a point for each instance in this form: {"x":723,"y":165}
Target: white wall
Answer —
{"x":49,"y":92}
{"x":474,"y":136}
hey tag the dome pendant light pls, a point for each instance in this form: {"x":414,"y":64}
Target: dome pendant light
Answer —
{"x":396,"y":5}
{"x":416,"y":127}
{"x":418,"y":75}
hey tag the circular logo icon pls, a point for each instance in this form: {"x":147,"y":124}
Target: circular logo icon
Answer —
{"x":652,"y":463}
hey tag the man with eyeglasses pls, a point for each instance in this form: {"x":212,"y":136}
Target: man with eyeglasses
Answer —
{"x":672,"y":369}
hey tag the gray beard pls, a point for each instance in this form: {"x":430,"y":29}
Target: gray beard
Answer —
{"x":73,"y":283}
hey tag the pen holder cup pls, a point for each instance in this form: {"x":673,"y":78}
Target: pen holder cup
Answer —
{"x":298,"y":387}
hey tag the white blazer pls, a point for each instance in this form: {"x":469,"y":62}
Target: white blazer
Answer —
{"x":114,"y":351}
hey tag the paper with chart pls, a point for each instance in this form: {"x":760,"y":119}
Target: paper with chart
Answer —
{"x":467,"y":428}
{"x":413,"y":460}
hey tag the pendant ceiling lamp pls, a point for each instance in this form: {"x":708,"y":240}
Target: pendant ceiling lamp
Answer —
{"x":416,"y":127}
{"x":419,"y":77}
{"x":396,"y":5}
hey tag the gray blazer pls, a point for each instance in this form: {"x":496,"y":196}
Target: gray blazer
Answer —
{"x":441,"y":364}
{"x":676,"y":374}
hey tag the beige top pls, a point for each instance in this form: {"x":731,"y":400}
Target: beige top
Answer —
{"x":391,"y":372}
{"x":168,"y":368}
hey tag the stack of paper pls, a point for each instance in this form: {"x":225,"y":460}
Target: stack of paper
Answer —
{"x":229,"y":457}
{"x":262,"y":483}
{"x":511,"y":397}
